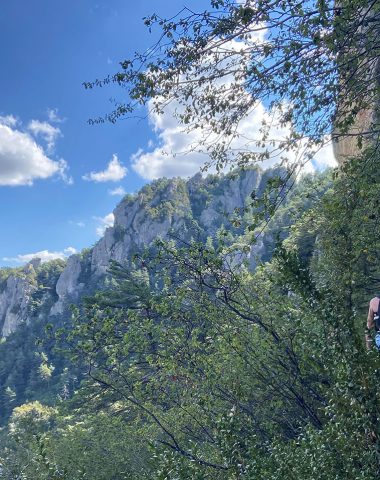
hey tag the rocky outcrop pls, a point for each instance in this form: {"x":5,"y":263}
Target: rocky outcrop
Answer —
{"x":159,"y":208}
{"x":358,"y":102}
{"x":68,"y":286}
{"x":14,"y":298}
{"x":232,"y":195}
{"x":162,"y":207}
{"x":141,"y":220}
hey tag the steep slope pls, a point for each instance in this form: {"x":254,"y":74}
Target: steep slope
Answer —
{"x":16,"y":292}
{"x":36,"y":299}
{"x":199,"y":205}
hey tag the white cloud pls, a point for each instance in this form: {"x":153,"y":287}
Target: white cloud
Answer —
{"x":44,"y":255}
{"x":77,"y":224}
{"x":114,"y":172}
{"x":22,"y":160}
{"x":104,"y":223}
{"x":324,"y":158}
{"x":46,"y":131}
{"x":179,"y":151}
{"x":118,"y":191}
{"x":53,"y":116}
{"x":8,"y":120}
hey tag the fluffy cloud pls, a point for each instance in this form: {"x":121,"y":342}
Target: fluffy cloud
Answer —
{"x":118,"y":191}
{"x":179,"y":152}
{"x":9,"y":120}
{"x":22,"y":160}
{"x":104,"y":223}
{"x":324,"y":158}
{"x":114,"y":172}
{"x":44,"y":255}
{"x":46,"y":131}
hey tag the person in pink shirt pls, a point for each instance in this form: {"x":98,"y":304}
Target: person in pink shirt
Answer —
{"x":373,"y":321}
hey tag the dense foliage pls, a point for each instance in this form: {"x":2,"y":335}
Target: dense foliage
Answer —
{"x":313,"y":65}
{"x":193,"y":364}
{"x":200,"y":368}
{"x":29,"y":367}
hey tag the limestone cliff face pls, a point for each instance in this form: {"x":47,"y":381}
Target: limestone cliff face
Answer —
{"x":346,"y":146}
{"x":141,"y":220}
{"x":162,"y":207}
{"x":68,"y":286}
{"x":234,"y":195}
{"x":14,"y":299}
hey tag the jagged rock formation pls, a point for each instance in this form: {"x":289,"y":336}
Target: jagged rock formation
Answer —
{"x":68,"y":286}
{"x":15,"y":296}
{"x":164,"y":206}
{"x":14,"y":303}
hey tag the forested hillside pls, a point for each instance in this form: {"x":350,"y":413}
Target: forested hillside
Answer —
{"x":217,"y":330}
{"x":211,"y":210}
{"x":191,"y":364}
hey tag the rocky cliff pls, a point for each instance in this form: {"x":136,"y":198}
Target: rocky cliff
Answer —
{"x":15,"y":296}
{"x":357,"y":115}
{"x":164,"y":206}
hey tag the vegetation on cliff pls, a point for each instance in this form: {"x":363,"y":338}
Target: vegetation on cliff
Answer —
{"x":199,"y":368}
{"x":191,"y":364}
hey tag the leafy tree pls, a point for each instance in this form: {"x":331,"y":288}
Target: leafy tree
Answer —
{"x":312,"y":64}
{"x":191,"y":359}
{"x":232,"y":374}
{"x":226,"y":373}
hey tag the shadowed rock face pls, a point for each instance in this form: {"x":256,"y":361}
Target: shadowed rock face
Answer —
{"x":366,"y":105}
{"x":165,"y":206}
{"x":346,"y":147}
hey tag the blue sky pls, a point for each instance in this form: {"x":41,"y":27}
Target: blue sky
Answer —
{"x":60,"y":178}
{"x":48,"y":48}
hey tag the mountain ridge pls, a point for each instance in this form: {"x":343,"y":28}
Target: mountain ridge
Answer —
{"x":161,"y":207}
